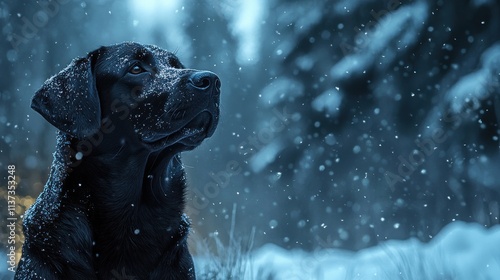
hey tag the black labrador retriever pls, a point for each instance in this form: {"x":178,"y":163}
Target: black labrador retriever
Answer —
{"x":113,"y":205}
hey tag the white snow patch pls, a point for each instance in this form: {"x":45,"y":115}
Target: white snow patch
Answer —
{"x":265,"y":156}
{"x":329,"y":102}
{"x":302,"y":17}
{"x":79,"y":156}
{"x":478,"y":85}
{"x":281,"y":89}
{"x":461,"y":251}
{"x":397,"y":30}
{"x":246,"y":19}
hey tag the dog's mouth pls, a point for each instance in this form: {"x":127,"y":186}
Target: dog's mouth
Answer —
{"x":190,"y":135}
{"x":196,"y":130}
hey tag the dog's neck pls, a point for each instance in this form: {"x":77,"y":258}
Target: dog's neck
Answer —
{"x":134,"y":175}
{"x":134,"y":189}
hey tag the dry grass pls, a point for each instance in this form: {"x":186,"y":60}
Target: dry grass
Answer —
{"x":224,"y":261}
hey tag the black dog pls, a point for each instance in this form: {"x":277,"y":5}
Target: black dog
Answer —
{"x":113,"y":205}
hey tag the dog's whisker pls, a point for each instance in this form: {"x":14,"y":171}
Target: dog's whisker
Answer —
{"x":187,"y":166}
{"x":119,"y":150}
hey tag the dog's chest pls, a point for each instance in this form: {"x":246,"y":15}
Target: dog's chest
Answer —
{"x":139,"y":244}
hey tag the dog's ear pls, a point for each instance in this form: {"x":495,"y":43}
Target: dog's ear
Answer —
{"x":69,"y":100}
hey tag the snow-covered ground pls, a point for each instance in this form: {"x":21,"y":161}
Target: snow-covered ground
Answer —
{"x":459,"y":251}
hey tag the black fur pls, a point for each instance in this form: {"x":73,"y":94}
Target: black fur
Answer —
{"x":113,"y":205}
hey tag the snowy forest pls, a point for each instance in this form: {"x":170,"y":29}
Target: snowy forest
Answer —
{"x":344,"y":124}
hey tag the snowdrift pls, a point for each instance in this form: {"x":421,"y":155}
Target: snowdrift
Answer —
{"x":459,"y":251}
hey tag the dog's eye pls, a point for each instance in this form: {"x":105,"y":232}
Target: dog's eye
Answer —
{"x":136,"y":69}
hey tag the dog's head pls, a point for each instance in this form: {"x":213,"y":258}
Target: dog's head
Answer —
{"x":141,"y":91}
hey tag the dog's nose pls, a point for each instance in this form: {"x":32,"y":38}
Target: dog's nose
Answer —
{"x":205,"y":80}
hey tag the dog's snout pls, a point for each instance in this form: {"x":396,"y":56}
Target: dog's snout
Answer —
{"x":205,"y":80}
